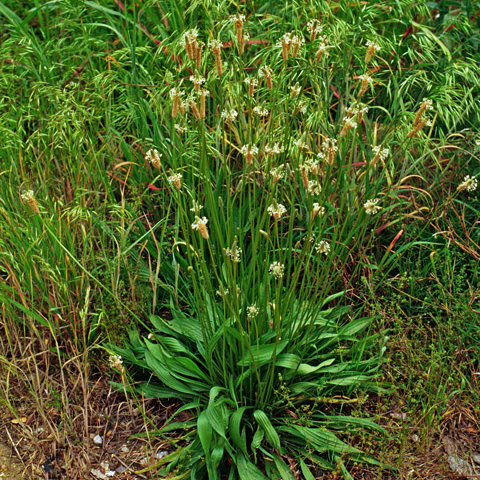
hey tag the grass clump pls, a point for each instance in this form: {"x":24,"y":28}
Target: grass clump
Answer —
{"x":280,"y":180}
{"x":248,"y":183}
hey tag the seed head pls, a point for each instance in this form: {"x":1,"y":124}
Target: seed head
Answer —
{"x":372,"y":47}
{"x":426,"y":105}
{"x":348,"y":123}
{"x":317,"y":209}
{"x":314,"y":188}
{"x":252,"y":82}
{"x":216,"y":48}
{"x":200,"y":224}
{"x":266,"y":72}
{"x":261,"y":111}
{"x":189,"y":41}
{"x":329,"y":150}
{"x":229,"y":115}
{"x":366,"y":81}
{"x":249,"y":151}
{"x":196,"y":207}
{"x":277,"y":173}
{"x":295,"y":90}
{"x":276,"y":210}
{"x":197,"y":80}
{"x":322,"y":50}
{"x":323,"y":247}
{"x":115,"y":361}
{"x":29,"y":197}
{"x":314,"y":28}
{"x":372,"y":207}
{"x":297,"y":42}
{"x":153,"y":157}
{"x":277,"y":269}
{"x":274,"y":149}
{"x":379,"y":154}
{"x":286,"y":43}
{"x":176,"y":180}
{"x":469,"y":184}
{"x":252,"y":311}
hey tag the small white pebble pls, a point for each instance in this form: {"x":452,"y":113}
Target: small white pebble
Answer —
{"x":97,"y":440}
{"x":98,"y":473}
{"x":160,"y":455}
{"x":415,"y":437}
{"x":124,"y":449}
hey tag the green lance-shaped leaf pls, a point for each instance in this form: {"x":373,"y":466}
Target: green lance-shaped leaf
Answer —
{"x":271,"y":434}
{"x":247,"y":470}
